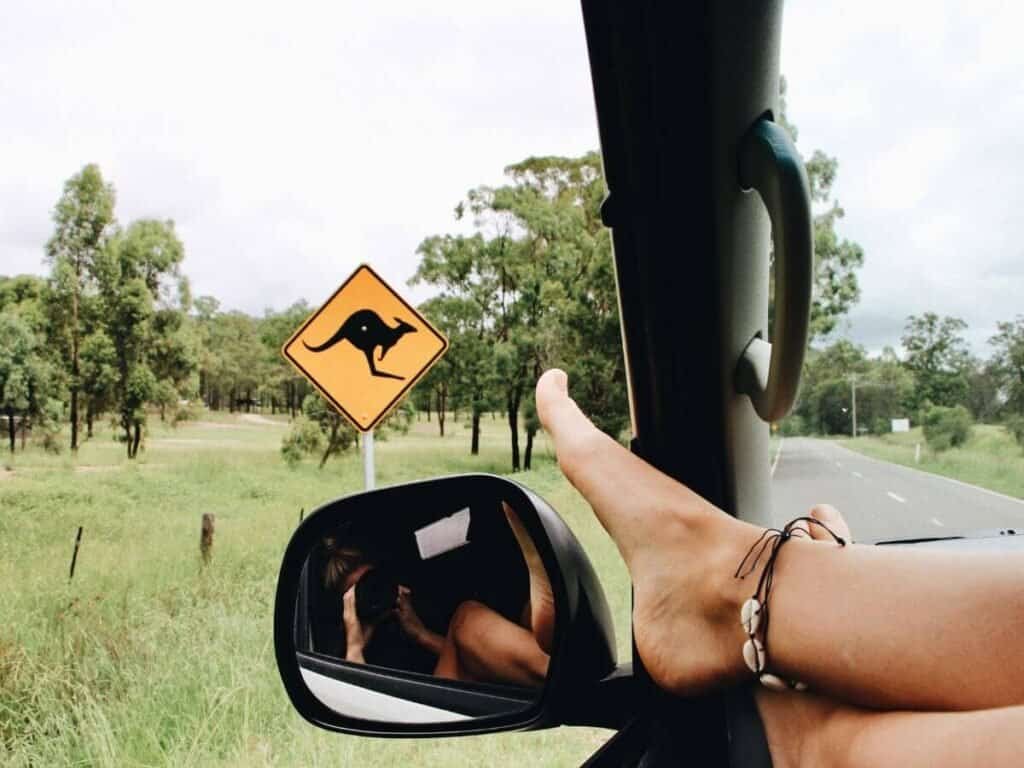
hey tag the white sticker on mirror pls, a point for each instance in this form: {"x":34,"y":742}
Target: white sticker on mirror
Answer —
{"x":442,"y":536}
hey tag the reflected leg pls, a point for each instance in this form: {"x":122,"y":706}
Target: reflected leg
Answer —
{"x":541,"y":608}
{"x":481,"y":645}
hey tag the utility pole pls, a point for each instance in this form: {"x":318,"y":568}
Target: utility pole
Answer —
{"x":853,"y":390}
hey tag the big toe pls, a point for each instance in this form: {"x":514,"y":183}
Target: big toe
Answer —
{"x":828,"y":515}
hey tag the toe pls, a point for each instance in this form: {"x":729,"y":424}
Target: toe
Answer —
{"x":829,"y":515}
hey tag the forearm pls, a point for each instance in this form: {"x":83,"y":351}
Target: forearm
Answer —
{"x":432,"y":641}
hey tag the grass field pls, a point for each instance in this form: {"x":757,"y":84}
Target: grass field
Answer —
{"x":145,"y":661}
{"x":991,"y":458}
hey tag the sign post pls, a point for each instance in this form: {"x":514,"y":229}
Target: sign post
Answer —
{"x":369,"y":472}
{"x":363,"y":350}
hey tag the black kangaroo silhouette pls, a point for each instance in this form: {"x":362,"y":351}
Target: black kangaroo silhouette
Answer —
{"x":366,"y":331}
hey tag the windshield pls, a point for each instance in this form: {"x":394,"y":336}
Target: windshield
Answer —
{"x":910,"y":412}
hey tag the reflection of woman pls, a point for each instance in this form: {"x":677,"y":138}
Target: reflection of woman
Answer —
{"x":480,"y":644}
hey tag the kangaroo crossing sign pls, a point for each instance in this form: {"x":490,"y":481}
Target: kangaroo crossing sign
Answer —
{"x":365,"y":348}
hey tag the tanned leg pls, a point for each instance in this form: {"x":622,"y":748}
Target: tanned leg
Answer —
{"x":542,"y":602}
{"x":886,"y":627}
{"x":484,"y":646}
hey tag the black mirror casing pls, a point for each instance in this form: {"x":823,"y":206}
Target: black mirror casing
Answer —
{"x":583,"y":647}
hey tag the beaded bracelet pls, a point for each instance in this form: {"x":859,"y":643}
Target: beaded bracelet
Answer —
{"x":754,"y":613}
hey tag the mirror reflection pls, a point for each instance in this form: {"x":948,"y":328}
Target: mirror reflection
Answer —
{"x":426,"y":616}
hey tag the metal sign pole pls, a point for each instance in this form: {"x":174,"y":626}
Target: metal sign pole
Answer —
{"x":369,"y":476}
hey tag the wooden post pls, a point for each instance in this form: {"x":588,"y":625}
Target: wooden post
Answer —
{"x":302,"y":512}
{"x":74,"y":554}
{"x":206,"y":537}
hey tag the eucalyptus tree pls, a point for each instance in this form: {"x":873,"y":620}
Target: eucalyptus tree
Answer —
{"x":83,"y":223}
{"x":142,"y":288}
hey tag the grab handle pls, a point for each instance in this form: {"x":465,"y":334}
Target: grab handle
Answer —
{"x":770,"y":164}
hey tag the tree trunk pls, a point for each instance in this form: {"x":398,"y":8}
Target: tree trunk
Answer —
{"x":10,"y":426}
{"x":74,"y":365}
{"x":330,"y":445}
{"x":231,"y":402}
{"x":428,"y":409}
{"x":442,"y":406}
{"x":137,"y":439}
{"x":89,"y":416}
{"x":24,"y":429}
{"x":513,"y":423}
{"x":474,"y":448}
{"x":527,"y":455}
{"x":248,"y":400}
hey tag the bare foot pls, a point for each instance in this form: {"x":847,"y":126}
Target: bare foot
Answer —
{"x":680,"y":550}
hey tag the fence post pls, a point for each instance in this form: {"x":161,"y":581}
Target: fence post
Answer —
{"x":74,"y":554}
{"x":206,"y":537}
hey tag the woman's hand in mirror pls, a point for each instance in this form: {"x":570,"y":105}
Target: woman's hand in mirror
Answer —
{"x":413,"y":625}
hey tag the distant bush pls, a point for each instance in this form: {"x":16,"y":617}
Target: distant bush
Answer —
{"x":792,"y":426}
{"x":881,"y":426}
{"x":1015,"y":426}
{"x":303,"y":438}
{"x":946,"y":428}
{"x":183,"y":411}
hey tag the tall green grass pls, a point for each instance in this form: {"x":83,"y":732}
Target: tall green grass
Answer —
{"x":991,"y":458}
{"x":145,"y":660}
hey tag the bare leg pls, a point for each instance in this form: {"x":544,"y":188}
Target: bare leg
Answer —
{"x":885,"y":627}
{"x":811,"y":731}
{"x":484,"y":646}
{"x":542,"y":602}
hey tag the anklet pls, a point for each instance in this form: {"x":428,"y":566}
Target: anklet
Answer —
{"x":754,"y":612}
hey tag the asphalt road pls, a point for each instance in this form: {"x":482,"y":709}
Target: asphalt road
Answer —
{"x":882,"y":500}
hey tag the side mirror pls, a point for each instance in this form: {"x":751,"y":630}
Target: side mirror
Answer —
{"x":452,"y":606}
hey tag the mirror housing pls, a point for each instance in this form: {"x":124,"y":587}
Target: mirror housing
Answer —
{"x":582,"y":648}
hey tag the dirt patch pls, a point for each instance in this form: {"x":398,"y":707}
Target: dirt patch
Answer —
{"x":255,"y":418}
{"x":192,"y":441}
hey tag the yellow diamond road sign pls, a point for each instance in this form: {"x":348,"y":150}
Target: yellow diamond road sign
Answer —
{"x":365,"y":348}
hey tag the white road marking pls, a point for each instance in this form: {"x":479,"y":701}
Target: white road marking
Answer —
{"x":938,"y":522}
{"x":778,"y":453}
{"x":858,"y":474}
{"x":897,"y":497}
{"x":935,"y":476}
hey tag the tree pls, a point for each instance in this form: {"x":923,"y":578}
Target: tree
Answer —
{"x":338,"y":432}
{"x":984,"y":385}
{"x":1008,"y":362}
{"x":836,"y":259}
{"x":937,"y":356}
{"x":24,"y":377}
{"x":84,"y":221}
{"x":143,"y":296}
{"x":275,"y":328}
{"x":468,"y":374}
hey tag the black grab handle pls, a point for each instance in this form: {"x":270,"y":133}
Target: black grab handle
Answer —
{"x":770,"y":164}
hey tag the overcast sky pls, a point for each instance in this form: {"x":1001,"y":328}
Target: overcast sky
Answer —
{"x":291,"y":141}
